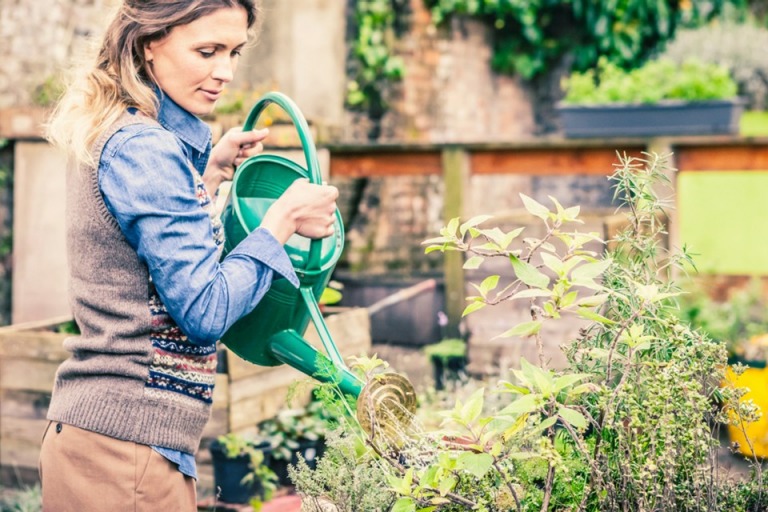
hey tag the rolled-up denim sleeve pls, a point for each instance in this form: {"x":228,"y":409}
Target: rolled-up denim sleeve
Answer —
{"x":148,"y":185}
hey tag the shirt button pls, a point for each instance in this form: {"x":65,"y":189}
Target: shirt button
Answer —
{"x":58,"y":428}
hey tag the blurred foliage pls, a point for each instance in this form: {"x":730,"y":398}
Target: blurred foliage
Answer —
{"x":48,"y":92}
{"x":740,"y":322}
{"x":740,"y":47}
{"x":653,"y":82}
{"x":533,"y":36}
{"x":373,"y":64}
{"x":754,"y":124}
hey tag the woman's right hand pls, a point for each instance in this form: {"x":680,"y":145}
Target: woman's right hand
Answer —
{"x":304,"y":208}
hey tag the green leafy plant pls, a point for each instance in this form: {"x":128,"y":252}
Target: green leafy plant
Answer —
{"x":741,"y":322}
{"x":27,"y":499}
{"x":736,"y":46}
{"x":236,"y":445}
{"x":374,"y":65}
{"x":630,"y":424}
{"x":447,"y":349}
{"x":654,"y":82}
{"x":290,"y":427}
{"x":531,"y":38}
{"x":49,"y":91}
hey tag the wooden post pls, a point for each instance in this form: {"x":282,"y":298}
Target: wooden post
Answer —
{"x":456,"y":171}
{"x":663,"y":147}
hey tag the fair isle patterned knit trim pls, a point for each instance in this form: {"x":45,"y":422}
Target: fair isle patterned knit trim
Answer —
{"x":181,"y":371}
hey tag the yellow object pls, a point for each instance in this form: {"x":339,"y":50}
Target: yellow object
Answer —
{"x":756,"y":380}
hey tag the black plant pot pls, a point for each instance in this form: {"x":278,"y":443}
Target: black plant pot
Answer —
{"x":447,"y":369}
{"x":308,"y":449}
{"x":228,"y":474}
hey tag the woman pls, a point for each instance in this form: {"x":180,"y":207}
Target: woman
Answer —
{"x":147,"y":288}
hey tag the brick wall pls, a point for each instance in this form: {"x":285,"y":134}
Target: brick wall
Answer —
{"x":39,"y":37}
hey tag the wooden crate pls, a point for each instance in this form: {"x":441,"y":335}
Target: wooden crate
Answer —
{"x":245,"y":395}
{"x":29,"y":356}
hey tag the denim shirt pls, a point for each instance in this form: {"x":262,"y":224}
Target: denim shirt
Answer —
{"x":146,"y":179}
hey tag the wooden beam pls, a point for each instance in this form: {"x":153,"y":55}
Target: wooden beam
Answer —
{"x":722,"y":158}
{"x":548,"y":161}
{"x":355,"y":165}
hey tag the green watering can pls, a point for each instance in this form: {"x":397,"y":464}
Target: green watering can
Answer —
{"x":272,"y":333}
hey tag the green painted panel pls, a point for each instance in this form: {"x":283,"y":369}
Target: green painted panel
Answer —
{"x":723,"y":217}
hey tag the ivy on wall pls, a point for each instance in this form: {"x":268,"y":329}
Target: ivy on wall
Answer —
{"x":374,"y":67}
{"x":532,"y":36}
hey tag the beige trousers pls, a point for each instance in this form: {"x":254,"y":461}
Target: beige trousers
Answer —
{"x":82,"y":471}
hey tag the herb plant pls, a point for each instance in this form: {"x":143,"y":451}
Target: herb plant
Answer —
{"x":630,"y":424}
{"x":654,"y":82}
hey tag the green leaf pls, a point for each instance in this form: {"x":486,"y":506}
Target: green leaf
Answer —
{"x":568,"y":380}
{"x":528,"y":274}
{"x":447,"y":484}
{"x":473,"y":263}
{"x":477,"y":464}
{"x":590,"y":271}
{"x":542,"y":379}
{"x":591,"y":315}
{"x":569,"y":299}
{"x":531,"y":293}
{"x":510,"y":237}
{"x":488,"y":284}
{"x":544,"y":425}
{"x":513,"y":388}
{"x":438,"y":240}
{"x":404,"y":505}
{"x":452,"y":226}
{"x":553,"y":263}
{"x":474,"y":221}
{"x":526,"y":404}
{"x":474,"y":407}
{"x":524,"y":329}
{"x":475,"y":306}
{"x":574,"y":417}
{"x":535,"y":208}
{"x":593,"y":301}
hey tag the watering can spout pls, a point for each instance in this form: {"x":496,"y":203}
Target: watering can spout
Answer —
{"x":293,"y":350}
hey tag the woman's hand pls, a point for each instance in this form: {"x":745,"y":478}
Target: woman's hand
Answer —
{"x":233,"y":149}
{"x":304,"y":208}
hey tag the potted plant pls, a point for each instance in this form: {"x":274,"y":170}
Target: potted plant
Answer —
{"x":741,"y":322}
{"x":241,"y":469}
{"x":449,"y":361}
{"x":295,"y":434}
{"x":659,"y":98}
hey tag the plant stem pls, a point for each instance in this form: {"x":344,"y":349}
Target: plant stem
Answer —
{"x":509,"y":485}
{"x":548,"y":488}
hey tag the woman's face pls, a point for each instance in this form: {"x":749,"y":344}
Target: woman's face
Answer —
{"x":194,"y":62}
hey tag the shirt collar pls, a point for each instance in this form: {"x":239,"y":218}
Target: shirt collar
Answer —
{"x":188,"y":127}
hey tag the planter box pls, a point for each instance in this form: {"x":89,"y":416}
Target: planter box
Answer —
{"x":402,"y":311}
{"x":244,"y":395}
{"x":668,"y":118}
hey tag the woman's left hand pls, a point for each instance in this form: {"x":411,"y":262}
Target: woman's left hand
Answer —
{"x":232,"y":150}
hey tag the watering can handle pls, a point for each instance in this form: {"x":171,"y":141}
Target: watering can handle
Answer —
{"x":299,"y":122}
{"x":310,"y":154}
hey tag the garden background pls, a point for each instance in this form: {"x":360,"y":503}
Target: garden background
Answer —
{"x":417,"y":121}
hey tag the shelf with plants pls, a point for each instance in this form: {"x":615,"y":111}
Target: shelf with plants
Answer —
{"x":658,"y":98}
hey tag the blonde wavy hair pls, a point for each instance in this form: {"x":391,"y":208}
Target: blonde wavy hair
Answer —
{"x":119,"y":78}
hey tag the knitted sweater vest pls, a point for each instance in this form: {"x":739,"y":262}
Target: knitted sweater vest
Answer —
{"x":132,"y":375}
